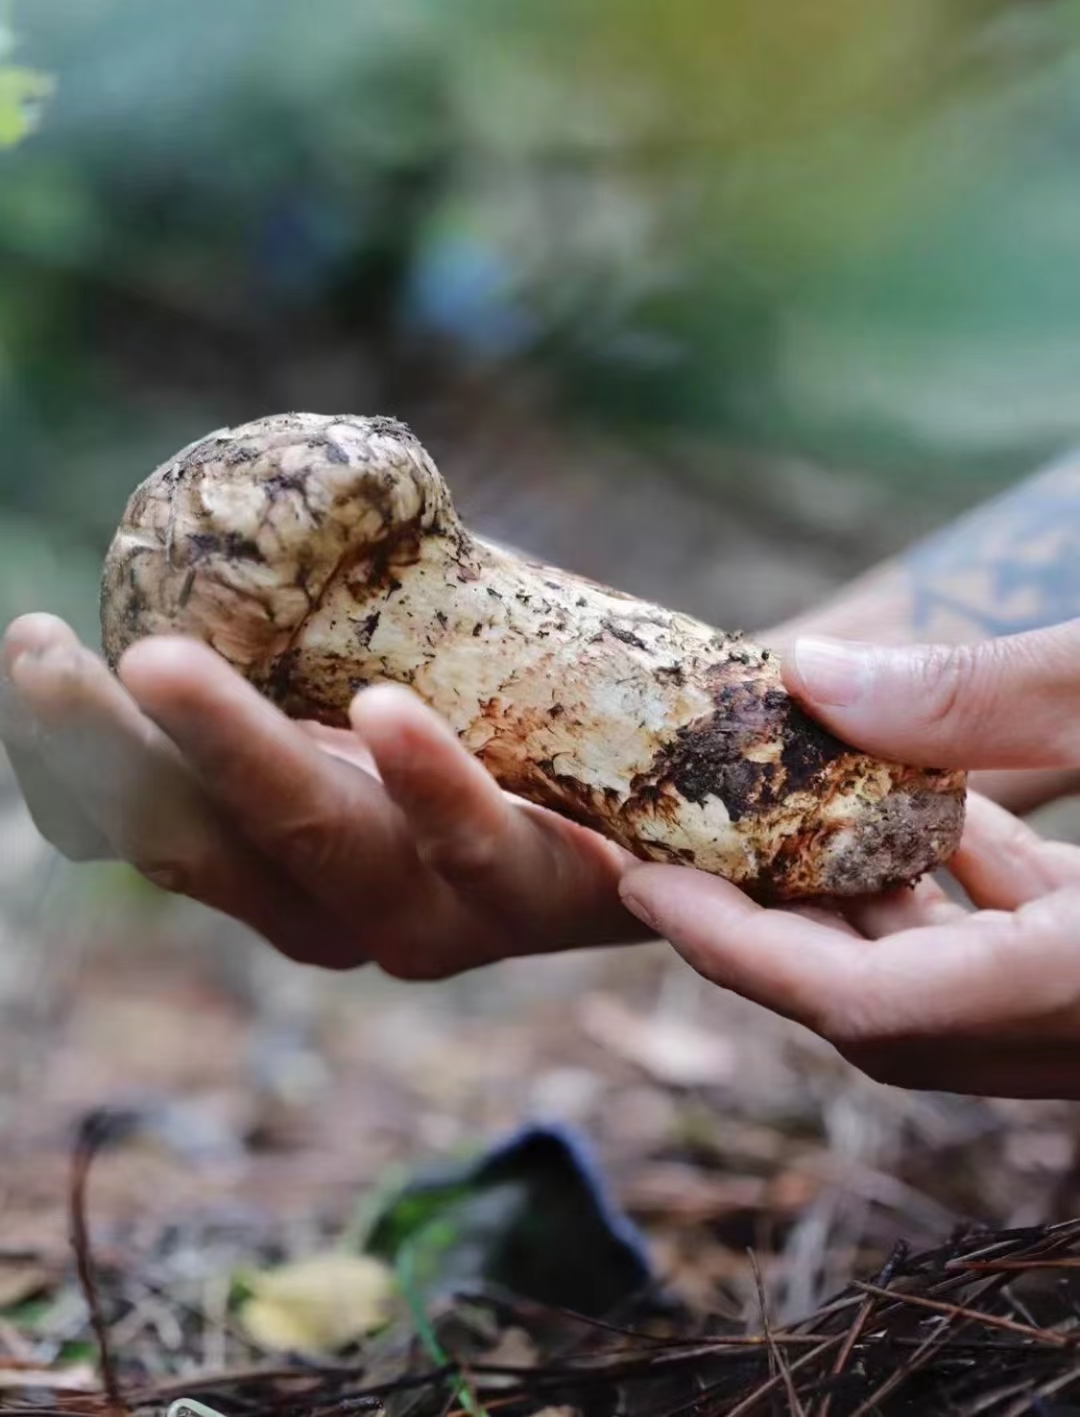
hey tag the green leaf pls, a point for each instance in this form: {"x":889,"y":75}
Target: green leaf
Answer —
{"x":77,"y":1353}
{"x":22,"y":92}
{"x":407,"y":1280}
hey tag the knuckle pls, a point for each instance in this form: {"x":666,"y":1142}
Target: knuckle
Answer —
{"x":464,"y":857}
{"x":310,"y":844}
{"x":177,"y":874}
{"x":947,"y":675}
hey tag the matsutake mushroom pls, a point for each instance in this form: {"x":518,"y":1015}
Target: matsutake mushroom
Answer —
{"x":320,"y":554}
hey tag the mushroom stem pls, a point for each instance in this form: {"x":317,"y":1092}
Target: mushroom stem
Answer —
{"x":321,"y":554}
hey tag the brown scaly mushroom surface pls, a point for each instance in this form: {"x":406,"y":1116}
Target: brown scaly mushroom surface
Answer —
{"x":319,"y":554}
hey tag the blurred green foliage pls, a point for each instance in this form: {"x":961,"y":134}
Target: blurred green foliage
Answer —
{"x":21,"y":90}
{"x":840,"y":228}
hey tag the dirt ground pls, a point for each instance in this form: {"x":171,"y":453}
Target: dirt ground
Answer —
{"x":278,"y":1101}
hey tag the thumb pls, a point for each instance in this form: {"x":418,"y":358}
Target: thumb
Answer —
{"x":1006,"y":703}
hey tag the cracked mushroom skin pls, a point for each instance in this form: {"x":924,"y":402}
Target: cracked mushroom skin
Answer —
{"x":320,"y":554}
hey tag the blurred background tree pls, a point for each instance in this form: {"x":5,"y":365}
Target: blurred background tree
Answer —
{"x":843,"y":233}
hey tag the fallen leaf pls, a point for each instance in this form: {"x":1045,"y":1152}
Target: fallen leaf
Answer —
{"x":671,"y":1050}
{"x":15,"y":1349}
{"x":667,"y":1189}
{"x":515,"y":1348}
{"x":22,"y":1281}
{"x":318,"y":1304}
{"x":80,"y":1377}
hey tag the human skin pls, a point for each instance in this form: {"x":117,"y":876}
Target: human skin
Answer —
{"x":914,"y":987}
{"x":387,"y":842}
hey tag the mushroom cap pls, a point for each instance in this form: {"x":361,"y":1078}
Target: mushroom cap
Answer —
{"x":236,"y":538}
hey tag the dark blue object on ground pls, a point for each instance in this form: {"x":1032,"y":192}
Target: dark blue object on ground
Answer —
{"x":532,"y":1215}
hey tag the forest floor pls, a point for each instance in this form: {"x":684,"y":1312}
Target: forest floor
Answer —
{"x":273,"y":1107}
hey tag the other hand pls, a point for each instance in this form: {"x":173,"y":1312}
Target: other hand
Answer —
{"x":914,"y":987}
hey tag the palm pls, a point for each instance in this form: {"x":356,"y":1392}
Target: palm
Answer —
{"x":388,"y":843}
{"x":914,"y":987}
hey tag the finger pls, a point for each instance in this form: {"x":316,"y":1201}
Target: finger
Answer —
{"x":340,"y":743}
{"x":801,"y":968}
{"x":1002,"y":976}
{"x":1005,"y":703}
{"x":328,"y":823}
{"x":36,"y":632}
{"x":905,"y":908}
{"x":991,"y":975}
{"x":524,"y":863}
{"x":998,"y":976}
{"x":52,"y":805}
{"x":1023,"y":792}
{"x":1002,"y":863}
{"x":822,"y":915}
{"x":128,"y":780}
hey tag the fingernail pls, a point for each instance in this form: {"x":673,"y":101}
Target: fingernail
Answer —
{"x":834,"y":672}
{"x":24,"y":660}
{"x":34,"y":657}
{"x":642,"y":911}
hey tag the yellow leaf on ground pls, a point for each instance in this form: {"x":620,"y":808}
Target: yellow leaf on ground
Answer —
{"x":318,"y":1304}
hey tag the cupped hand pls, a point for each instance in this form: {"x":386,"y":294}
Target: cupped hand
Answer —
{"x":914,"y":987}
{"x":388,"y":843}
